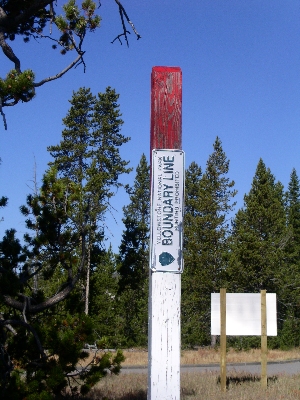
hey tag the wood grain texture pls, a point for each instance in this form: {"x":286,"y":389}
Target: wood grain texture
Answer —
{"x":166,"y":108}
{"x":264,"y":339}
{"x":223,"y":338}
{"x":165,"y":287}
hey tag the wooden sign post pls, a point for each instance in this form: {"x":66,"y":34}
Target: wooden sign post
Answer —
{"x":165,"y":284}
{"x":223,"y":338}
{"x":242,"y":314}
{"x":264,"y":345}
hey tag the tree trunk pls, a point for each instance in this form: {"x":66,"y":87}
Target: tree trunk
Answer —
{"x":87,"y":286}
{"x":213,"y":340}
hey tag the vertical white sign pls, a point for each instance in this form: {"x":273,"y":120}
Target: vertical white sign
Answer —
{"x":167,"y":211}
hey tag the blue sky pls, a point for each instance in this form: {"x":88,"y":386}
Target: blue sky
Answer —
{"x":240,"y":61}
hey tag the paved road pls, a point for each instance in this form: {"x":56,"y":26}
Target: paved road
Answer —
{"x":273,"y":368}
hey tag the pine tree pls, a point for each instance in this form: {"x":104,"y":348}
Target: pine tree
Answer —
{"x":103,"y":308}
{"x":89,"y":157}
{"x":65,"y":219}
{"x":259,"y":236}
{"x":33,"y":321}
{"x":290,"y":281}
{"x":207,"y":207}
{"x":134,"y":258}
{"x":293,"y":219}
{"x":192,"y":315}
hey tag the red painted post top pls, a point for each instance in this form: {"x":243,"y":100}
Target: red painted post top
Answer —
{"x":166,"y":108}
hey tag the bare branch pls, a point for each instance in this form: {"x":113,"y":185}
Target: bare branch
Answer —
{"x":60,"y":74}
{"x":119,"y":36}
{"x":123,"y":14}
{"x":121,"y":11}
{"x":3,"y":115}
{"x":128,"y":20}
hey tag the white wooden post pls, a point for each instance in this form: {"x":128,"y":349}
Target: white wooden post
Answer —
{"x":165,"y":287}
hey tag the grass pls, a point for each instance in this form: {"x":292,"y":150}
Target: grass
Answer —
{"x":201,"y":386}
{"x":205,"y":386}
{"x":210,"y":356}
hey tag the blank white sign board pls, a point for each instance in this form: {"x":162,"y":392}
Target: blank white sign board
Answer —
{"x":243,"y":314}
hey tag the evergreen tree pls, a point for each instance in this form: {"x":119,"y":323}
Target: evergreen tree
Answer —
{"x":31,"y":320}
{"x":207,"y":207}
{"x":134,"y":259}
{"x":89,"y":157}
{"x":104,"y":308}
{"x":194,"y":320}
{"x":66,"y":223}
{"x":293,"y":220}
{"x":290,"y":282}
{"x":259,"y":236}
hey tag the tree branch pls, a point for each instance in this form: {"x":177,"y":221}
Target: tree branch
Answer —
{"x":3,"y":116}
{"x":8,"y":326}
{"x":33,"y":309}
{"x":36,"y":5}
{"x":7,"y":50}
{"x":58,"y":297}
{"x":123,"y":14}
{"x":9,"y":322}
{"x":60,"y":74}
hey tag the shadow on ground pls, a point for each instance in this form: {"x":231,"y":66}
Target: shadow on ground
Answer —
{"x":238,"y":380}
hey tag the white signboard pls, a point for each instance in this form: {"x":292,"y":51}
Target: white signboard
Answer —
{"x":243,"y":314}
{"x":167,"y":210}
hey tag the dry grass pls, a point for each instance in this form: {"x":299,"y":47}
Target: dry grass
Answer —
{"x":204,"y":386}
{"x":209,"y":356}
{"x":201,"y":386}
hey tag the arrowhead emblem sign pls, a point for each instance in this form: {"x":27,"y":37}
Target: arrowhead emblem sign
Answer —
{"x":166,"y":258}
